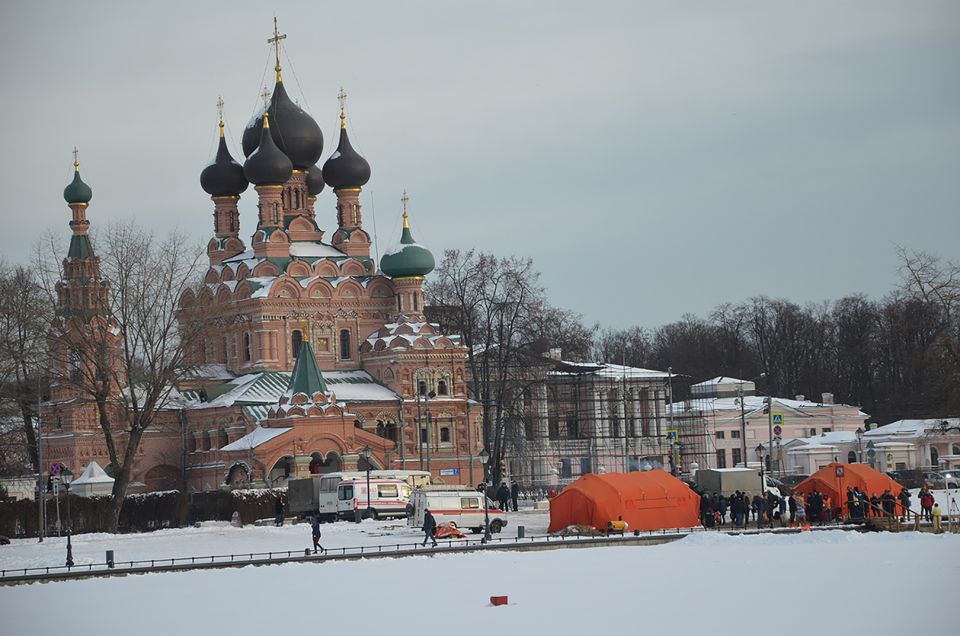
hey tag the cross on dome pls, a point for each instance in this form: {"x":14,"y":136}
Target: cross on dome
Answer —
{"x":275,"y":41}
{"x":405,"y":199}
{"x":76,"y":159}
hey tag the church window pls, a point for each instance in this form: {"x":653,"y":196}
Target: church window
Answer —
{"x":276,"y":213}
{"x":851,"y":457}
{"x":442,"y":387}
{"x":74,"y":366}
{"x":422,"y":387}
{"x":296,"y":194}
{"x":416,"y":303}
{"x":247,"y":349}
{"x":423,"y":436}
{"x":399,"y":305}
{"x":445,"y":435}
{"x":345,"y":353}
{"x":296,"y":339}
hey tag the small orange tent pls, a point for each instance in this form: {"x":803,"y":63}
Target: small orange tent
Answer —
{"x":648,"y":500}
{"x":834,"y":479}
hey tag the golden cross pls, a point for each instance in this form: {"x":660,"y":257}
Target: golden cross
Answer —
{"x":220,"y":107}
{"x":76,"y":155}
{"x":275,"y":41}
{"x":342,"y":99}
{"x":266,"y":97}
{"x":405,"y":199}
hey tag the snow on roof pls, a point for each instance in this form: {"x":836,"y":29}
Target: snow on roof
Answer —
{"x":313,"y":249}
{"x":266,"y":387}
{"x":255,"y":438}
{"x":751,"y":403}
{"x":606,"y":370}
{"x":911,"y":428}
{"x":92,"y":474}
{"x":721,"y":379}
{"x":215,"y":371}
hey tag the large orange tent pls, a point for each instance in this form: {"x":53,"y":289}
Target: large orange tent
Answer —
{"x":648,"y":500}
{"x":834,"y":479}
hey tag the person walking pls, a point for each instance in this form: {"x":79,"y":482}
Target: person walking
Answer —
{"x":429,"y":526}
{"x":315,"y":527}
{"x":514,"y":494}
{"x":503,"y":496}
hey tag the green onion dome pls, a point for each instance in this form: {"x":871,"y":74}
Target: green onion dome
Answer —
{"x":77,"y":191}
{"x":267,"y":165}
{"x":223,"y":176}
{"x":345,"y":168}
{"x":407,"y":258}
{"x":294,"y":132}
{"x":315,"y":181}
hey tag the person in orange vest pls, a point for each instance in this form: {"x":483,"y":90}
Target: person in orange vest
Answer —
{"x":827,"y":507}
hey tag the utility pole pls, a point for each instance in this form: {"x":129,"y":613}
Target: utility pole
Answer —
{"x":743,"y":426}
{"x":419,"y":429}
{"x":41,"y":491}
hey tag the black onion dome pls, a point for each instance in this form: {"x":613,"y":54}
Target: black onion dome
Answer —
{"x":223,"y":177}
{"x":267,"y":165}
{"x":346,"y":168}
{"x":315,"y":181}
{"x":295,"y":132}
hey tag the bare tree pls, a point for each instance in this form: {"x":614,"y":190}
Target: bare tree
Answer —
{"x":936,"y":281}
{"x":128,"y":351}
{"x":24,"y":318}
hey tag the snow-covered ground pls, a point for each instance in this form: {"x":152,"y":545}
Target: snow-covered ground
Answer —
{"x":831,"y":582}
{"x":223,"y":539}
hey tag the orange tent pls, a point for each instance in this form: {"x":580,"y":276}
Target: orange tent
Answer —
{"x":834,"y":479}
{"x":647,"y":500}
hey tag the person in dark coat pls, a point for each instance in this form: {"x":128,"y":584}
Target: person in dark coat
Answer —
{"x":904,"y":498}
{"x":278,"y":511}
{"x":429,"y":526}
{"x":315,"y":527}
{"x":792,"y":505}
{"x":503,"y":496}
{"x":514,"y":495}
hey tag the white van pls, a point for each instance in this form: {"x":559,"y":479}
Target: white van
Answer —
{"x":458,"y":505}
{"x":385,"y":498}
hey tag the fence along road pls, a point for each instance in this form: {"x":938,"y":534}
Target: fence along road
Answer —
{"x":392,"y":550}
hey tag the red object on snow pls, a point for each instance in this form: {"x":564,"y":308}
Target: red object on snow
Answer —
{"x":498,"y":600}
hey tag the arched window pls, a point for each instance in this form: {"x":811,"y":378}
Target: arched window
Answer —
{"x":934,"y":456}
{"x":442,"y":387}
{"x":296,"y":339}
{"x":416,"y":303}
{"x":74,"y":366}
{"x":955,"y":449}
{"x":444,"y":434}
{"x":247,"y":349}
{"x":345,"y":353}
{"x":399,"y":305}
{"x":851,"y":457}
{"x":422,"y":387}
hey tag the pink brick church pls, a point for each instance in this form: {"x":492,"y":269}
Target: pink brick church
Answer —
{"x":312,"y":353}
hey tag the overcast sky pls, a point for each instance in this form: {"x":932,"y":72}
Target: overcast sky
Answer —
{"x":653,"y":158}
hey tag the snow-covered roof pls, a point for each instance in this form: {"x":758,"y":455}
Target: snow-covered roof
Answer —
{"x":911,"y":428}
{"x":406,"y":333}
{"x":255,"y":438}
{"x":751,"y":403}
{"x":607,"y":370}
{"x":266,"y":387}
{"x":721,"y":379}
{"x":313,"y":249}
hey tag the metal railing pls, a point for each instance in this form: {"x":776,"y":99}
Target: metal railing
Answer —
{"x":12,"y":575}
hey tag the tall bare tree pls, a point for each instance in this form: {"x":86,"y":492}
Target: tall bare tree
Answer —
{"x":128,"y":356}
{"x":24,"y":319}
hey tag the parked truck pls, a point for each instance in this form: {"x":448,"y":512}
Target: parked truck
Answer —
{"x":331,"y":496}
{"x":727,"y":481}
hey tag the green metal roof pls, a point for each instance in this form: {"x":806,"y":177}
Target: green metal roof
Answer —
{"x":306,"y":377}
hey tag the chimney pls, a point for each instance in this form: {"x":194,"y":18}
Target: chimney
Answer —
{"x":555,"y":353}
{"x":826,"y":398}
{"x":800,"y":398}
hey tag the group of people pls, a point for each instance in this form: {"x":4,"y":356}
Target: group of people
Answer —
{"x":505,"y":495}
{"x":764,"y":510}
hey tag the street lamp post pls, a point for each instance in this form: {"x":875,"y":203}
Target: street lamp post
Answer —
{"x":67,"y":476}
{"x":859,"y":434}
{"x":366,"y":456}
{"x":743,"y":424}
{"x":763,"y":486}
{"x":484,"y":457}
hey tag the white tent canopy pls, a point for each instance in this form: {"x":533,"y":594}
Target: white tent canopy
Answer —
{"x":94,"y":482}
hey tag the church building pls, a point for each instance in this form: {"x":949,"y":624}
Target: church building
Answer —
{"x":314,"y":357}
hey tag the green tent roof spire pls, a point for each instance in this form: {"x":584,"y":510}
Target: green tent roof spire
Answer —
{"x":306,"y":376}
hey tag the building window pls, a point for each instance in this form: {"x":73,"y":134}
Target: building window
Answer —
{"x":296,"y":339}
{"x":573,"y":427}
{"x":827,"y":430}
{"x":734,"y":434}
{"x":721,"y":458}
{"x":565,"y":470}
{"x":720,"y":435}
{"x":813,"y":432}
{"x":736,"y":456}
{"x":851,"y":458}
{"x":444,"y":435}
{"x":416,"y":303}
{"x":423,"y":436}
{"x":442,"y":387}
{"x":553,"y":427}
{"x":585,"y":466}
{"x":345,"y":353}
{"x":421,"y":387}
{"x":247,"y":349}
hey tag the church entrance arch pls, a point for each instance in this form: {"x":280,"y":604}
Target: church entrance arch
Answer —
{"x":281,"y":472}
{"x":238,"y":476}
{"x":321,"y":465}
{"x":162,"y":477}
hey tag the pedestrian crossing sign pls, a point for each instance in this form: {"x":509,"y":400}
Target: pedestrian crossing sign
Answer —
{"x":778,"y":419}
{"x":672,"y":435}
